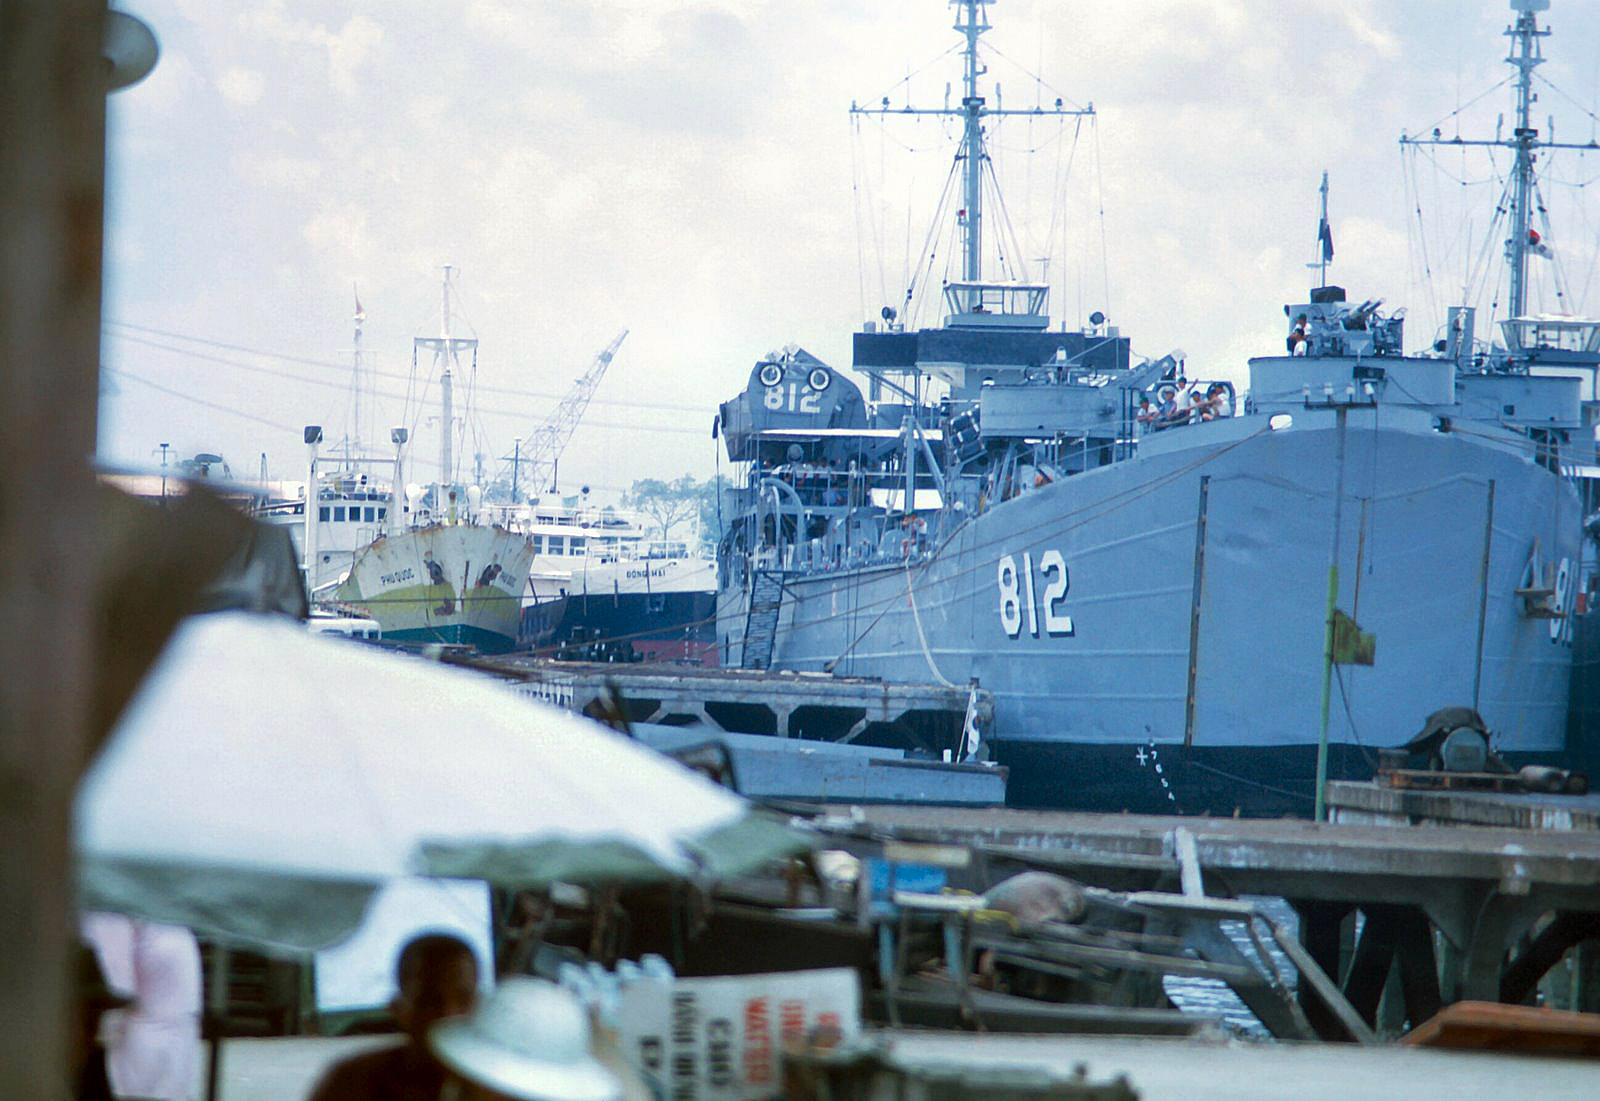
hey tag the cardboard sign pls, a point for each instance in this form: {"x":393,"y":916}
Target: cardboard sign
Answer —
{"x":721,"y":1039}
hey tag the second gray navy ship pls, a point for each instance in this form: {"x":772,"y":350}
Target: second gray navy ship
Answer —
{"x":1175,"y":592}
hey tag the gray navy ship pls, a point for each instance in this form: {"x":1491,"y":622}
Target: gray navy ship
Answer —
{"x":1181,"y":597}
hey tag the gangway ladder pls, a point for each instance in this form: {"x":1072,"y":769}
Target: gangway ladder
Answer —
{"x":761,"y":622}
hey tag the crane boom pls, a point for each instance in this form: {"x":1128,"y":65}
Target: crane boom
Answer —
{"x":535,"y":462}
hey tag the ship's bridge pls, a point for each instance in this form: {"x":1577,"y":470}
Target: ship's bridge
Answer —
{"x":1553,"y":340}
{"x":990,"y":305}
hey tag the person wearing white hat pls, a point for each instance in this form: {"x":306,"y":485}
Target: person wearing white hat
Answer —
{"x":528,"y":1041}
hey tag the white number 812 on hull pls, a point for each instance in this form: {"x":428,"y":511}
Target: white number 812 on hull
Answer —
{"x":1017,"y":594}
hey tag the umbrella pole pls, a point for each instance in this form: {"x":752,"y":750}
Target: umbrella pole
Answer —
{"x":216,"y":1016}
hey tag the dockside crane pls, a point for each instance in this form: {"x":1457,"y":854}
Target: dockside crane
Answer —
{"x":532,"y":465}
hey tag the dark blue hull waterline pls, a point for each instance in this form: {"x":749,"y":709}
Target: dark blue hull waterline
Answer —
{"x":1261,"y":782}
{"x":672,"y":626}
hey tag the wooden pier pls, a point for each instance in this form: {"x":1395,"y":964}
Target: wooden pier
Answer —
{"x":1450,"y":912}
{"x":1381,"y":805}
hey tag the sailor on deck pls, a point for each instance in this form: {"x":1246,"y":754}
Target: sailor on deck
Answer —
{"x":1298,"y":345}
{"x":1216,"y":404}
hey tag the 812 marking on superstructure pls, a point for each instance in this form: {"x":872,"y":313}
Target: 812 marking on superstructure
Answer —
{"x":1017,"y":594}
{"x":800,"y":399}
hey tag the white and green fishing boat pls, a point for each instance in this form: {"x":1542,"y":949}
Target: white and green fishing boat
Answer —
{"x":442,"y":572}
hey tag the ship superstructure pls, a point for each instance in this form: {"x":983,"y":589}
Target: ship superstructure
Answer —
{"x":1171,"y":589}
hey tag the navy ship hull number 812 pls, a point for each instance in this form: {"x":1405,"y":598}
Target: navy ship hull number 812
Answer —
{"x":1038,"y":606}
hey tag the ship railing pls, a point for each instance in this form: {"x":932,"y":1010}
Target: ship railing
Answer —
{"x":1209,"y":399}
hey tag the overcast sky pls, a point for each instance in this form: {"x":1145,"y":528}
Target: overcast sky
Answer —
{"x":689,"y":171}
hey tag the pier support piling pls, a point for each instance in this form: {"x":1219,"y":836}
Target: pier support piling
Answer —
{"x":1321,"y":933}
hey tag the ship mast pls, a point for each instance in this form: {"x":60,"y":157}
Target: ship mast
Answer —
{"x":352,"y":439}
{"x":1524,"y":143}
{"x":1324,"y":237}
{"x":447,"y":413}
{"x":446,"y":351}
{"x":972,"y":151}
{"x":1525,"y":56}
{"x":972,"y":20}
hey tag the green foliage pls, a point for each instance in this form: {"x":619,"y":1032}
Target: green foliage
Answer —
{"x":670,"y":505}
{"x":666,"y":506}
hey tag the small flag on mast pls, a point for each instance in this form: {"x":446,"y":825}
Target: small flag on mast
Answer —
{"x":1536,"y":244}
{"x":1325,"y":238}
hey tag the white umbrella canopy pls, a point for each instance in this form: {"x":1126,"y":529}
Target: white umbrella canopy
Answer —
{"x":265,"y":781}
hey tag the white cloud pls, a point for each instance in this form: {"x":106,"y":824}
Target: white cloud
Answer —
{"x":340,"y":233}
{"x":297,"y":174}
{"x":241,"y":87}
{"x":347,"y":49}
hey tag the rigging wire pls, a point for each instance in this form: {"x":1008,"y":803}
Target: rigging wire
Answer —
{"x":1100,"y":189}
{"x":1477,"y":274}
{"x":1564,"y":94}
{"x":512,"y":391}
{"x":1455,"y":114}
{"x":915,"y":290}
{"x":1057,"y":206}
{"x":905,"y":81}
{"x":1557,"y":271}
{"x":1588,"y":234}
{"x":216,"y":406}
{"x":1484,"y":279}
{"x":887,"y":135}
{"x":855,"y":193}
{"x":879,"y":216}
{"x":1016,"y":269}
{"x":673,"y":428}
{"x":988,"y":47}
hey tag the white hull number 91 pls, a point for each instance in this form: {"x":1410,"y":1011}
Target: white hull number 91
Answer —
{"x":1017,"y":594}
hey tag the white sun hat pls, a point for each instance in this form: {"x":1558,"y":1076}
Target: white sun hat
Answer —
{"x":528,"y":1040}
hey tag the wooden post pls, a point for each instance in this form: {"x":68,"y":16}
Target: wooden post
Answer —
{"x":1322,"y":929}
{"x":52,"y":155}
{"x":1373,"y":960}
